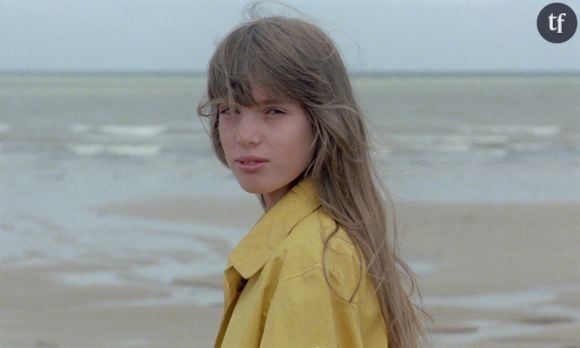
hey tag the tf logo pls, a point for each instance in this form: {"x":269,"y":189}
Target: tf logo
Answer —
{"x":557,"y":22}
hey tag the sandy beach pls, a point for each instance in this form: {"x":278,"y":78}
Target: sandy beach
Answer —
{"x":504,"y":275}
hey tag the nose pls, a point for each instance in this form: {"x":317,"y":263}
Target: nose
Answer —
{"x":248,"y":129}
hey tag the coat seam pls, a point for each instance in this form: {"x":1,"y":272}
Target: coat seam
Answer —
{"x":296,"y":275}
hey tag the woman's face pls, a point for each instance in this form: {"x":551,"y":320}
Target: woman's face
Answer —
{"x":266,"y":146}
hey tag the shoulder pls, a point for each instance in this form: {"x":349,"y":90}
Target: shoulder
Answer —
{"x":317,"y":245}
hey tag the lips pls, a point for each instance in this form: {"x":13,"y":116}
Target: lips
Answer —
{"x":250,"y":160}
{"x":250,"y":164}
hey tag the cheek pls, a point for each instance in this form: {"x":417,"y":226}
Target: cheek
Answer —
{"x":225,"y":137}
{"x":305,"y":140}
{"x":308,"y":150}
{"x":225,"y":129}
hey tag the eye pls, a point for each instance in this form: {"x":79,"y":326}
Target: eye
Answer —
{"x":224,"y":110}
{"x":275,"y":111}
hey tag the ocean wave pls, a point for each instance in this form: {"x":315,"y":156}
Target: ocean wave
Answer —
{"x":134,"y":150}
{"x":123,"y":150}
{"x":80,"y":128}
{"x":86,"y":149}
{"x":133,"y":130}
{"x":446,"y":142}
{"x":5,"y":128}
{"x":141,"y":131}
{"x":535,"y":130}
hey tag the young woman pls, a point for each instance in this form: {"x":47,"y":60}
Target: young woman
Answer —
{"x":317,"y":270}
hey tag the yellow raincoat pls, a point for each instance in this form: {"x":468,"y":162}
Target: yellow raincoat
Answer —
{"x":275,"y":291}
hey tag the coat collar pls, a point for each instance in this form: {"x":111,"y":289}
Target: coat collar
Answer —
{"x":252,"y":252}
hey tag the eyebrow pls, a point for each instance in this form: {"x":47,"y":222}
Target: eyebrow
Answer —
{"x":266,"y":102}
{"x":271,"y":101}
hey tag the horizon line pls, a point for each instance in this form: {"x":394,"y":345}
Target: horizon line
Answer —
{"x":366,"y":73}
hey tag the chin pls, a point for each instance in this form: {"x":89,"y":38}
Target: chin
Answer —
{"x":251,"y":187}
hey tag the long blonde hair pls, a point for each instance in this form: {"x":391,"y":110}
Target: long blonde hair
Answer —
{"x":294,"y":58}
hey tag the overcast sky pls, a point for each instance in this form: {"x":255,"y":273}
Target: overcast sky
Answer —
{"x":385,"y":36}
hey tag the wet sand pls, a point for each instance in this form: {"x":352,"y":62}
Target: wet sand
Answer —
{"x":39,"y":312}
{"x":502,"y":275}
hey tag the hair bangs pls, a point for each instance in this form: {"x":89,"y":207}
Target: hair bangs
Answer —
{"x":245,"y":61}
